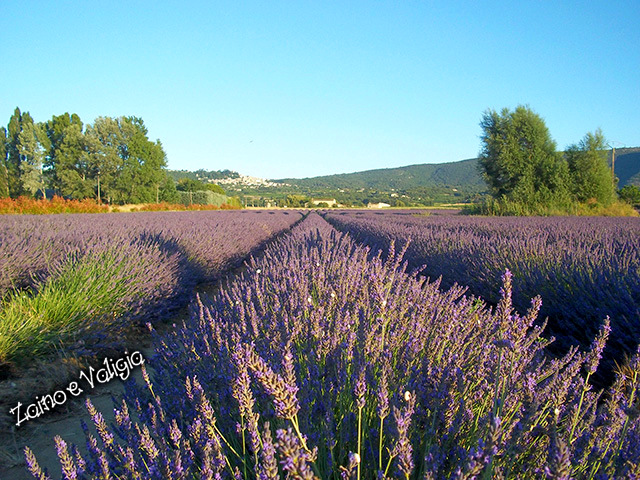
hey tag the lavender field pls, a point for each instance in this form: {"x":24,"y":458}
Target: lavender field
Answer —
{"x":33,"y":245}
{"x":324,"y":358}
{"x":331,"y":355}
{"x":75,"y":281}
{"x":585,"y":269}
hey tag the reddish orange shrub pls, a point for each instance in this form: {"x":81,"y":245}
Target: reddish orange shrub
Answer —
{"x":26,"y":205}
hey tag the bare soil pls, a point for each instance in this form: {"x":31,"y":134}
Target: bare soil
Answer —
{"x":38,"y":434}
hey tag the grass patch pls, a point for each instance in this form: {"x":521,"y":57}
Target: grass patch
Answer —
{"x":617,"y":209}
{"x":504,"y":207}
{"x":87,"y":294}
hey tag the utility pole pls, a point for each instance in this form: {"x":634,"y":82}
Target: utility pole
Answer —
{"x":613,"y":160}
{"x":99,"y":187}
{"x":613,"y":165}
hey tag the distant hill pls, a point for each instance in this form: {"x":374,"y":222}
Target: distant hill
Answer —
{"x":463,"y":173}
{"x":437,"y":181}
{"x":627,"y":166}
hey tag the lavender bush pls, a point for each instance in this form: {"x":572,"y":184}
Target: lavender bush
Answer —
{"x":323,"y":360}
{"x":584,"y":268}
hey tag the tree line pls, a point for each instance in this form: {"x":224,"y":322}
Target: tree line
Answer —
{"x":111,"y":160}
{"x":526,"y":174}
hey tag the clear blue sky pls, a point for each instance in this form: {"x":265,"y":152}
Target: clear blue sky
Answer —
{"x":297,"y":88}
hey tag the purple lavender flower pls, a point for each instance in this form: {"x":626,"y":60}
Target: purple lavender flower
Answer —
{"x":69,"y":469}
{"x":294,"y":458}
{"x":268,"y":466}
{"x":33,"y":466}
{"x":595,"y":354}
{"x":404,"y":449}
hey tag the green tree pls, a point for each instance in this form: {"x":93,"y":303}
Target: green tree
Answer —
{"x":168,"y":192}
{"x":142,"y":163}
{"x":234,"y":202}
{"x":189,"y":185}
{"x":591,"y":178}
{"x":103,"y":140}
{"x":215,"y":188}
{"x":128,"y":166}
{"x":74,"y":168}
{"x":630,"y":194}
{"x":67,"y":164}
{"x":4,"y":174}
{"x":518,"y":159}
{"x":297,"y":201}
{"x":31,"y":149}
{"x":13,"y":154}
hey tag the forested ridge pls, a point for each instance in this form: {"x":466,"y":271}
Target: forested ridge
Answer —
{"x":462,"y":173}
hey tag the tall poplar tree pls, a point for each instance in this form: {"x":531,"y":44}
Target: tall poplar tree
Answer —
{"x":4,"y":175}
{"x":13,"y":154}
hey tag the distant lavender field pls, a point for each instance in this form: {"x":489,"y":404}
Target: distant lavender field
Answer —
{"x":62,"y":276}
{"x":32,"y":246}
{"x":584,"y":268}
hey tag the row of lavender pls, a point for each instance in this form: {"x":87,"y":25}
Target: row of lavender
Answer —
{"x":147,"y":261}
{"x":584,"y":268}
{"x":32,"y":246}
{"x":323,"y":361}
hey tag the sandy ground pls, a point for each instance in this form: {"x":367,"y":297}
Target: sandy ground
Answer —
{"x":38,"y":434}
{"x":128,"y":207}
